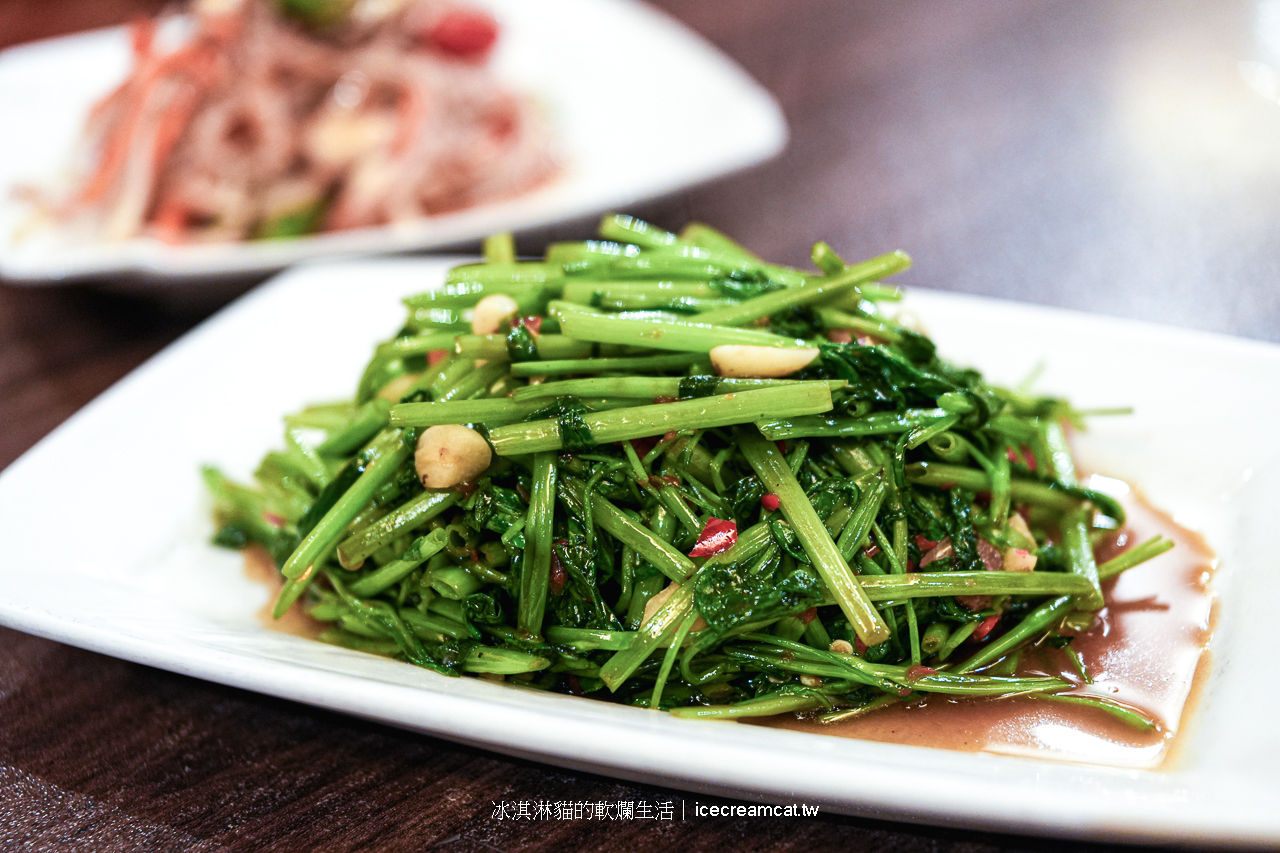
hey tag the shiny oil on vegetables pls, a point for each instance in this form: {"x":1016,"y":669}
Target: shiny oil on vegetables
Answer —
{"x":656,"y":469}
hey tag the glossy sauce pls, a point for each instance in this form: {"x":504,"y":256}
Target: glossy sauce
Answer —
{"x":260,"y":568}
{"x":1145,"y":651}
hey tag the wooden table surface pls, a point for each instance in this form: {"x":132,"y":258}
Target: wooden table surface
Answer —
{"x":1102,"y":156}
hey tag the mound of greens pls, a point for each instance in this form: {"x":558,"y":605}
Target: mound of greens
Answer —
{"x":874,"y":528}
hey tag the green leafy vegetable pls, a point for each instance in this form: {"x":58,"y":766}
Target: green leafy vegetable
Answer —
{"x":876,"y":492}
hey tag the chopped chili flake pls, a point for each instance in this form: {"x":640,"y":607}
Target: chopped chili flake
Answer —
{"x":533,"y":324}
{"x":718,"y":535}
{"x":1012,"y":455}
{"x":559,"y":577}
{"x":436,"y":356}
{"x":914,"y":673}
{"x":870,"y":551}
{"x":770,"y":502}
{"x":947,"y":485}
{"x":642,"y":446}
{"x":575,"y":686}
{"x":809,"y":615}
{"x":273,"y":519}
{"x":858,"y":646}
{"x":1030,"y":457}
{"x":466,"y":489}
{"x":924,"y":544}
{"x":782,"y":447}
{"x":657,"y":401}
{"x":985,"y":626}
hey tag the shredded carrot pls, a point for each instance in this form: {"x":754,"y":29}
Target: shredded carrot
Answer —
{"x":173,"y":121}
{"x":194,"y":59}
{"x":170,"y":221}
{"x":142,"y":37}
{"x":411,"y":113}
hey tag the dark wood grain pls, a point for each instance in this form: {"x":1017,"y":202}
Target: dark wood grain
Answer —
{"x":1095,"y":155}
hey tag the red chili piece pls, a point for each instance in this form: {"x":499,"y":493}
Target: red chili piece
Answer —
{"x":770,"y":502}
{"x":465,"y":33}
{"x":559,"y":577}
{"x":858,"y":646}
{"x":533,"y":324}
{"x":642,"y":446}
{"x":914,"y":673}
{"x":658,"y":481}
{"x":985,"y":626}
{"x":809,"y":615}
{"x":718,"y":536}
{"x":658,"y":401}
{"x":925,"y":545}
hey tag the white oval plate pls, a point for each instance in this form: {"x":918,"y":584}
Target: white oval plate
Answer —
{"x":640,"y":107}
{"x":106,"y":528}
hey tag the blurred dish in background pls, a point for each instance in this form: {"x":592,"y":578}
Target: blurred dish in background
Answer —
{"x":366,"y":126}
{"x":279,"y":118}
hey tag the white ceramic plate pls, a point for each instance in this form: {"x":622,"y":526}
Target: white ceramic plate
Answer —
{"x":106,"y":524}
{"x":640,"y":107}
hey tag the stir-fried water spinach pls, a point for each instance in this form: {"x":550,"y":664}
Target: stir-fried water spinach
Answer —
{"x":656,"y":469}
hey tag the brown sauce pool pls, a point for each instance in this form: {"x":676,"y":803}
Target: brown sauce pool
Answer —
{"x":261,"y":569}
{"x":1146,"y":651}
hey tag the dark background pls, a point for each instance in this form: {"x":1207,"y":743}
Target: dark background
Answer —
{"x":1101,"y":156}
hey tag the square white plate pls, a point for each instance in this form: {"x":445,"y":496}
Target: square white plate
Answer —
{"x":640,"y":106}
{"x":106,"y":526}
